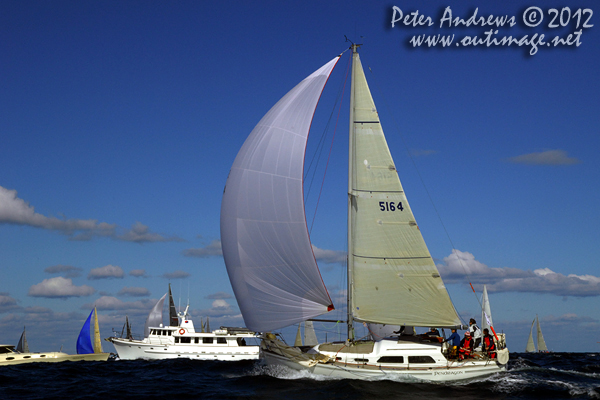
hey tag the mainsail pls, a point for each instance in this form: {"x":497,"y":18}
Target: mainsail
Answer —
{"x":264,"y":236}
{"x":155,"y":316}
{"x":393,"y":279}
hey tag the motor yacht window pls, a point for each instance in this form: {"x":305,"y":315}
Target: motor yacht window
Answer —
{"x":221,"y":340}
{"x":207,"y":340}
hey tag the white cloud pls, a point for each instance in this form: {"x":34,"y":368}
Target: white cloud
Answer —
{"x":211,"y":250}
{"x":176,"y":275}
{"x":548,"y":157}
{"x":109,"y":303}
{"x":134,"y":292}
{"x":138,"y":273}
{"x":140,"y":233}
{"x":329,"y":256}
{"x":461,"y":267}
{"x":106,"y":272}
{"x":70,"y":271}
{"x":7,"y":303}
{"x":14,"y":210}
{"x":59,"y":287}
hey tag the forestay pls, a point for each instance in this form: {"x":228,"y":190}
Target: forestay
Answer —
{"x":264,"y":236}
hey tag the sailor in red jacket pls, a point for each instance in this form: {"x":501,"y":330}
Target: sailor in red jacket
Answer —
{"x":488,"y":345}
{"x":466,"y":346}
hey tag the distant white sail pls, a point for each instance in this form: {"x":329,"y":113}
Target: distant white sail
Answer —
{"x":310,"y":337}
{"x":530,"y":345}
{"x":155,"y":317}
{"x":540,"y":338}
{"x":264,"y":235}
{"x":486,"y":311}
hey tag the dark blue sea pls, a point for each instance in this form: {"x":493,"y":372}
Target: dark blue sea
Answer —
{"x":529,"y":376}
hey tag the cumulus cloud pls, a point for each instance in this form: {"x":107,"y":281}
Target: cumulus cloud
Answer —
{"x":68,"y":270}
{"x":16,"y":211}
{"x":460,"y":267}
{"x":109,"y":303}
{"x":219,"y":295}
{"x":138,"y":273}
{"x":211,"y":250}
{"x":220,"y":308}
{"x":140,"y":233}
{"x":106,"y":272}
{"x":329,"y":256}
{"x":176,"y":275}
{"x":59,"y":287}
{"x":134,"y":292}
{"x":7,"y":303}
{"x":548,"y":157}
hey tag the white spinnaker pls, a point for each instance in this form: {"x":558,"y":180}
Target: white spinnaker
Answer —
{"x":155,"y":317}
{"x":395,"y":280}
{"x":264,"y":236}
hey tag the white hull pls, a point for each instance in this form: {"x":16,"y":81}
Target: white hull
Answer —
{"x":159,"y":347}
{"x":345,"y":367}
{"x":25,"y":358}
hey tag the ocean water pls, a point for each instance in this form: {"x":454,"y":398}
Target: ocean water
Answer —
{"x":529,"y":376}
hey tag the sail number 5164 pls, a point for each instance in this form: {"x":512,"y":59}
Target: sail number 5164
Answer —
{"x":390,"y":206}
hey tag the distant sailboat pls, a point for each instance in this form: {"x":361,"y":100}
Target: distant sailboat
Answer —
{"x":310,"y":337}
{"x":530,"y":348}
{"x":22,"y":346}
{"x":88,"y":342}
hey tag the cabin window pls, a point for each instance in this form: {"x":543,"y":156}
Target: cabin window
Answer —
{"x":196,"y":340}
{"x":221,"y":340}
{"x":176,"y":339}
{"x":392,"y":359}
{"x":10,"y":358}
{"x":186,"y":340}
{"x":420,"y":360}
{"x":169,"y":333}
{"x":361,"y":360}
{"x":26,"y":356}
{"x":43,"y":355}
{"x":207,"y":340}
{"x":164,"y":333}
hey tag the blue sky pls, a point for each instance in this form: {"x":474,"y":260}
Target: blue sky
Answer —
{"x":119,"y":122}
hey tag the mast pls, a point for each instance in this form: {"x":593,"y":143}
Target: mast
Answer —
{"x":350,"y":260}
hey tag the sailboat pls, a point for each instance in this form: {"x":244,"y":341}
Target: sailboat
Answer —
{"x":392,"y":278}
{"x":89,"y":346}
{"x":310,"y":337}
{"x":86,"y":349}
{"x":530,"y":348}
{"x":179,"y":339}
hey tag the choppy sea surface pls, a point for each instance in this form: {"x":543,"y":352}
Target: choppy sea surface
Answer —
{"x":529,"y":376}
